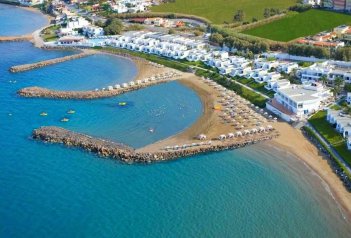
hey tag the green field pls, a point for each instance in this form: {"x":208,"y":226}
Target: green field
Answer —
{"x":300,"y":24}
{"x":219,"y":11}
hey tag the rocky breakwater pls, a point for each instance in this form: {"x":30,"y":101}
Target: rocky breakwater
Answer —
{"x":38,"y":92}
{"x":127,"y":154}
{"x":26,"y":67}
{"x":15,"y":38}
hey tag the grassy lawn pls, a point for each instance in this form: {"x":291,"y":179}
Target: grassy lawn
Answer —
{"x":257,"y":86}
{"x":49,"y":34}
{"x":320,"y":123}
{"x":253,"y":97}
{"x":300,"y":24}
{"x":219,"y":11}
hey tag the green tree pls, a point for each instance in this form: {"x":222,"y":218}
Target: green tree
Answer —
{"x":266,"y":13}
{"x":337,"y":86}
{"x":324,"y":79}
{"x":217,"y":38}
{"x":239,"y":16}
{"x":113,"y":26}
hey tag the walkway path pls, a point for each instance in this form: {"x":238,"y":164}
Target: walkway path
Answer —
{"x":328,"y":145}
{"x":241,"y":84}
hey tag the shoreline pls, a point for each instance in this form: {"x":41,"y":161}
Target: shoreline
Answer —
{"x":291,"y":140}
{"x":294,"y":142}
{"x":31,"y":35}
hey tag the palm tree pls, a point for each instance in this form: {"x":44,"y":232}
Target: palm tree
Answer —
{"x":324,"y":79}
{"x":337,"y":87}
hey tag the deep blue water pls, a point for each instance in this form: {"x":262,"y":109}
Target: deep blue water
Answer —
{"x":53,"y":191}
{"x":17,"y":21}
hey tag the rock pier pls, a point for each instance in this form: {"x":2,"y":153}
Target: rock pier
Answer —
{"x":127,"y":154}
{"x":26,"y":67}
{"x":15,"y":38}
{"x":38,"y":92}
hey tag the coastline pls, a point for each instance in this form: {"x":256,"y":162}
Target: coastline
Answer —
{"x":30,"y":36}
{"x":293,"y":141}
{"x":290,"y":140}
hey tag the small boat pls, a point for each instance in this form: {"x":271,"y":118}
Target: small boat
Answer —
{"x":43,"y":114}
{"x":151,"y":130}
{"x":64,"y":119}
{"x":122,"y":103}
{"x":71,"y":112}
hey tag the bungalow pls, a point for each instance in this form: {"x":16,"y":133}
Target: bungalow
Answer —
{"x":341,"y":122}
{"x":348,"y":98}
{"x":240,"y":71}
{"x":287,"y":68}
{"x":268,"y":77}
{"x":314,"y":72}
{"x":93,"y":31}
{"x":258,"y":73}
{"x":226,"y":69}
{"x":277,"y":84}
{"x":265,"y":65}
{"x":77,"y":23}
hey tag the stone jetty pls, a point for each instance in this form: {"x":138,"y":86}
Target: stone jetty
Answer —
{"x":26,"y":67}
{"x":38,"y":92}
{"x":15,"y":38}
{"x":127,"y":154}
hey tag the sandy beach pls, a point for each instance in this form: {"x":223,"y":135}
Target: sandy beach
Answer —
{"x":210,"y":123}
{"x":293,"y":141}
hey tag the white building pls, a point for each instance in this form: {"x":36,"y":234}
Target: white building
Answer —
{"x":287,"y":67}
{"x":348,"y":98}
{"x":277,"y":84}
{"x":272,"y":76}
{"x":312,"y":2}
{"x":298,"y":101}
{"x":93,"y":31}
{"x":342,"y":123}
{"x":330,"y":69}
{"x":77,"y":23}
{"x":264,"y":64}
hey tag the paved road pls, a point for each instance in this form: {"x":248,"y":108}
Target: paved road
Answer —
{"x":326,"y":143}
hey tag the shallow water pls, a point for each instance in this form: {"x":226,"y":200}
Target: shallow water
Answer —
{"x":53,"y":191}
{"x":17,"y":21}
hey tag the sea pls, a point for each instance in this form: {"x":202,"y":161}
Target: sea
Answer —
{"x":50,"y":190}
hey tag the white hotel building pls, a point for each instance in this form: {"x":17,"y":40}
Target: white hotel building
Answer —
{"x":296,"y":102}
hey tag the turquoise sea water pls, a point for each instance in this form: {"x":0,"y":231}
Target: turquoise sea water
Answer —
{"x":17,"y":21}
{"x":53,"y":191}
